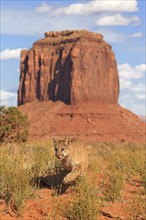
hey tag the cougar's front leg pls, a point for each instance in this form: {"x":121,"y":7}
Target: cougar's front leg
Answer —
{"x":76,"y":171}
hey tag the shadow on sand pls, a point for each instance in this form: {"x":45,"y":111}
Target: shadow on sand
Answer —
{"x":55,"y":182}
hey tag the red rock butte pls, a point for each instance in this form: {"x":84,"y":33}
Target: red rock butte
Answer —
{"x":69,"y":86}
{"x":70,"y":66}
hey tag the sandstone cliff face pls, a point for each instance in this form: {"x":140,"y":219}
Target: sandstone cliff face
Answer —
{"x":71,"y":66}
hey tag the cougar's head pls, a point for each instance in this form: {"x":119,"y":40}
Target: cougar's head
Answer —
{"x":61,"y":148}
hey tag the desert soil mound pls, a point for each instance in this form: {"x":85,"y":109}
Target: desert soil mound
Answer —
{"x":93,"y":122}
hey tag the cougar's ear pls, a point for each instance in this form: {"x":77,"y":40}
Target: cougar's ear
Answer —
{"x":55,"y":141}
{"x":67,"y":142}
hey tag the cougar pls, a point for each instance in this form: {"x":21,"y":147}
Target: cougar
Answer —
{"x":74,"y":157}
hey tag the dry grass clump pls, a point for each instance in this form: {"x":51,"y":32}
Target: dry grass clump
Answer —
{"x":21,"y":169}
{"x":86,"y":204}
{"x":117,"y":164}
{"x":112,"y":187}
{"x":125,"y":161}
{"x":137,"y":207}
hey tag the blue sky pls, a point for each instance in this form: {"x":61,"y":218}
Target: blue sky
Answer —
{"x":122,"y":22}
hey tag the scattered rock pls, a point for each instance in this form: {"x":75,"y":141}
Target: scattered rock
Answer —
{"x":109,"y":215}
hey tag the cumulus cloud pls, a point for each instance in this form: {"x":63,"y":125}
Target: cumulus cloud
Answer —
{"x":132,"y":103}
{"x":94,"y":7}
{"x":136,"y":35}
{"x":141,"y":96}
{"x":141,"y":67}
{"x":111,"y":36}
{"x":44,"y":7}
{"x":117,"y":19}
{"x":16,"y":22}
{"x":129,"y":72}
{"x":10,"y":54}
{"x":140,"y":87}
{"x":132,"y":87}
{"x":8,"y":98}
{"x":125,"y":84}
{"x":130,"y":82}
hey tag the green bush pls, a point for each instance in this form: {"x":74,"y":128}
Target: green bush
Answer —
{"x":13,"y":125}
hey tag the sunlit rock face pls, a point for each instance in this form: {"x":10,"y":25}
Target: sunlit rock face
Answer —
{"x":71,"y":66}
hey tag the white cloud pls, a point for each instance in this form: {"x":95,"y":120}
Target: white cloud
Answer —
{"x":136,"y":35}
{"x":128,"y":72}
{"x":141,"y":96}
{"x":141,"y":67}
{"x":44,"y":7}
{"x":125,"y":84}
{"x":8,"y":98}
{"x":93,"y":7}
{"x":111,"y":36}
{"x":131,"y":102}
{"x":28,"y":23}
{"x":10,"y":54}
{"x":132,"y":87}
{"x":117,"y":19}
{"x":139,"y":88}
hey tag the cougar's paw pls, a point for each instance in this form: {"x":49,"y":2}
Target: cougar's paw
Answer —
{"x":67,"y":180}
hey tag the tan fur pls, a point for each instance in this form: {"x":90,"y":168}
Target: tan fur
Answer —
{"x":74,"y":157}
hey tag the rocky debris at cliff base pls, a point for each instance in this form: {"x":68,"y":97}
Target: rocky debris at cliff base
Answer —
{"x":94,"y":122}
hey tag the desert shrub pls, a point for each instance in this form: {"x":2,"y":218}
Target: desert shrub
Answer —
{"x":137,"y":207}
{"x":113,"y":184}
{"x":44,"y":162}
{"x":86,"y":204}
{"x":144,"y":182}
{"x":105,"y":150}
{"x":137,"y":160}
{"x":125,"y":161}
{"x":13,"y":125}
{"x":96,"y":161}
{"x":20,"y":165}
{"x":14,"y":180}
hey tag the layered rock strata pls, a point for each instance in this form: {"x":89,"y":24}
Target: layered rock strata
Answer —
{"x":92,"y":122}
{"x":71,"y":66}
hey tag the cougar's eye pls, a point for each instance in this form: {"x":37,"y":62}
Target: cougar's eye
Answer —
{"x":56,"y":149}
{"x":63,"y":149}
